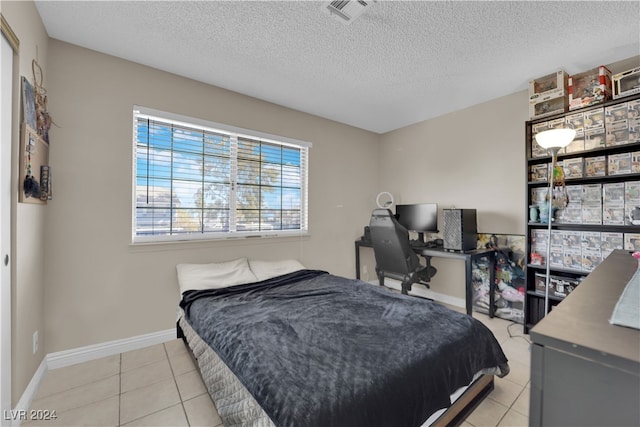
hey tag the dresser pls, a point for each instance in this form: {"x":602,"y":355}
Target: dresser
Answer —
{"x":584,"y":370}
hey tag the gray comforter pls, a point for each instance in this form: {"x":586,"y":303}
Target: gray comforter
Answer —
{"x":320,"y":350}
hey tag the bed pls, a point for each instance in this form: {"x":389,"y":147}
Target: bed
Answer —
{"x":281,"y":345}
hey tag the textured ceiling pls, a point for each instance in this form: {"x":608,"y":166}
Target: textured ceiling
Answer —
{"x":398,"y":64}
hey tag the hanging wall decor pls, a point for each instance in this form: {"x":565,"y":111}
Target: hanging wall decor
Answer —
{"x":28,"y":103}
{"x":34,"y":155}
{"x":35,"y":172}
{"x":43,"y":118}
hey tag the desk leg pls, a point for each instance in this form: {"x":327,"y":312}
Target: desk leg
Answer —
{"x":357,"y":261}
{"x":468,"y":263}
{"x":492,"y":285}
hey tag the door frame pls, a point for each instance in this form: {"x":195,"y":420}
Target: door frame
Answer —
{"x":8,"y":54}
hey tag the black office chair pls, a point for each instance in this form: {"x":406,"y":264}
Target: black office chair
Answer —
{"x":395,"y":257}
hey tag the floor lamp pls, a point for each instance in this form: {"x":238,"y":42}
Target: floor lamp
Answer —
{"x":552,"y":140}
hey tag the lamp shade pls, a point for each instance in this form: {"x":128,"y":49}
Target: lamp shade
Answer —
{"x":555,"y":138}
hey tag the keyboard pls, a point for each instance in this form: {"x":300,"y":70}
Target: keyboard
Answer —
{"x":418,"y":244}
{"x":430,"y":244}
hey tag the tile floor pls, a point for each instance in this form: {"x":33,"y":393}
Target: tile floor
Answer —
{"x":160,"y":386}
{"x":508,"y":403}
{"x":153,"y":386}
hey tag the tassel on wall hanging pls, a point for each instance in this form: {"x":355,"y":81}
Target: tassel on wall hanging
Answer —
{"x":43,"y":118}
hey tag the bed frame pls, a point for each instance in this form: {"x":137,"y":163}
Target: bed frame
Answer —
{"x":466,"y":403}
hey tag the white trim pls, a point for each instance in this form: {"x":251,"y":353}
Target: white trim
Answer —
{"x":74,"y":356}
{"x":29,"y":393}
{"x":218,"y":127}
{"x":216,"y":236}
{"x":61,"y":359}
{"x":7,"y":53}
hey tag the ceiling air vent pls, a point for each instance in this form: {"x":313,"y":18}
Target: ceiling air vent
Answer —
{"x":346,"y":11}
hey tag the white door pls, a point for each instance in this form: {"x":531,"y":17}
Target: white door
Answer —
{"x":6,"y":96}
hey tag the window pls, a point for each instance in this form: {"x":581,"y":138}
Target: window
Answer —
{"x":200,"y":180}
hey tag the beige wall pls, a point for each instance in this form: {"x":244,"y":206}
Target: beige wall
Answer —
{"x":98,"y":286}
{"x":472,"y":158}
{"x":27,"y":313}
{"x":75,"y":252}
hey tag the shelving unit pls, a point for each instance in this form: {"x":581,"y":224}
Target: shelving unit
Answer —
{"x":597,"y":236}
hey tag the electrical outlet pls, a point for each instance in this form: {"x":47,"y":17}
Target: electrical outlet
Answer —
{"x":35,"y":342}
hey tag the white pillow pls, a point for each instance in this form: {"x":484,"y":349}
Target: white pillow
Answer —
{"x":267,"y":269}
{"x":215,"y":275}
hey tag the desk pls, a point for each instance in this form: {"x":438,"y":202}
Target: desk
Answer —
{"x":468,"y":258}
{"x":584,"y":370}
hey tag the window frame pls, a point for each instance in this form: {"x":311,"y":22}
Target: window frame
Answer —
{"x":235,"y":134}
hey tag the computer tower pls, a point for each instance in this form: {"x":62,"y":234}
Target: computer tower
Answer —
{"x":460,"y":230}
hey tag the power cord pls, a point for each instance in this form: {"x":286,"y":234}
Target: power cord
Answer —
{"x":517,"y":336}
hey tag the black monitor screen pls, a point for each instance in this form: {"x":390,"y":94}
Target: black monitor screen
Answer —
{"x":421,"y":217}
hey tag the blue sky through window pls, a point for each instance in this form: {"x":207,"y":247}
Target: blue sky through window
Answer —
{"x":190,"y":169}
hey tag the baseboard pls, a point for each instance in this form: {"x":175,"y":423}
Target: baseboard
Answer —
{"x":70,"y":357}
{"x":421,"y":291}
{"x":64,"y":358}
{"x":29,"y":393}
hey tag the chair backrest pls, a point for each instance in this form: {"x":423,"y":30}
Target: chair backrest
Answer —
{"x":391,"y":244}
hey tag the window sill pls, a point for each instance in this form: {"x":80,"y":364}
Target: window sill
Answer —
{"x":248,"y":240}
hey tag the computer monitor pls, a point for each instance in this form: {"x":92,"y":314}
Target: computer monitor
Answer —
{"x":421,"y":218}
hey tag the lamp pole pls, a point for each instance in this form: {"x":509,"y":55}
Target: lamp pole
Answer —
{"x":554,"y":153}
{"x":552,"y":140}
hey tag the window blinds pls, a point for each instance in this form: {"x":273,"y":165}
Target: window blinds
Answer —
{"x":201,"y":182}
